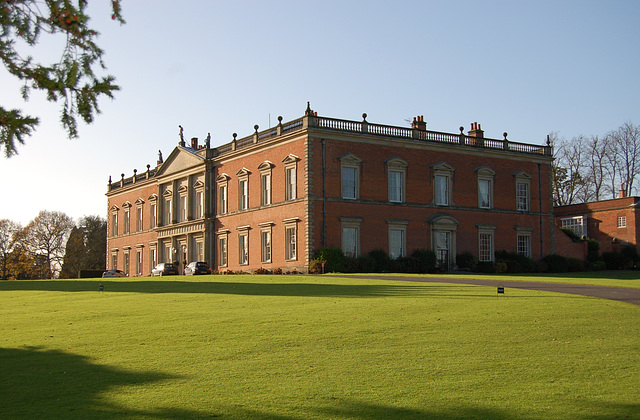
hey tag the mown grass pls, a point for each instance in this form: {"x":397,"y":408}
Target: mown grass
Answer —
{"x":629,"y":279}
{"x":296,"y":347}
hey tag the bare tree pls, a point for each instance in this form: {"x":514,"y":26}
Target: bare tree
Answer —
{"x":626,"y":140}
{"x":596,"y":167}
{"x":46,"y":236}
{"x":8,"y":236}
{"x":568,"y":182}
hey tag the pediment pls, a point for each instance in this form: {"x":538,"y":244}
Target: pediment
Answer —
{"x":126,"y":205}
{"x":350,"y":158}
{"x":223,"y":178}
{"x":522,"y":175}
{"x":485,"y":170}
{"x":179,"y":160}
{"x":396,"y":161}
{"x":443,"y":166}
{"x":265,"y":166}
{"x":243,"y":172}
{"x":290,"y":159}
{"x":443,"y":220}
{"x":139,"y":201}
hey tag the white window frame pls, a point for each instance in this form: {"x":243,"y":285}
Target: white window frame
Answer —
{"x":127,"y":217}
{"x":183,"y":201}
{"x":486,"y":177}
{"x":397,"y":245}
{"x":523,"y":191}
{"x":396,"y":179}
{"x":223,"y":242}
{"x":153,"y":211}
{"x":167,"y":208}
{"x":350,"y":230}
{"x":139,"y":215}
{"x":243,"y":189}
{"x":621,"y":222}
{"x":266,"y":244}
{"x":576,"y":224}
{"x":350,"y":163}
{"x":291,"y":177}
{"x":243,"y":245}
{"x":198,"y":200}
{"x":265,"y":169}
{"x":486,"y":233}
{"x":291,"y":239}
{"x":523,"y":241}
{"x":442,"y":172}
{"x":222,"y":183}
{"x":114,"y":220}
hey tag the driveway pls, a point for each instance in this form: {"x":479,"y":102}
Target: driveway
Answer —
{"x":622,"y":294}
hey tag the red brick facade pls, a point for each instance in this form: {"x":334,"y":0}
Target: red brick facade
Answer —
{"x":613,"y":223}
{"x":272,"y":199}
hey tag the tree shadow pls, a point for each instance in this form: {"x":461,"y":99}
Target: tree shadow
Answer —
{"x":218,"y":287}
{"x":42,"y":383}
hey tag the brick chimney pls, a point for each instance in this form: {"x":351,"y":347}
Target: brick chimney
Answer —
{"x":194,"y":143}
{"x":419,"y":123}
{"x":621,"y":192}
{"x":476,"y":131}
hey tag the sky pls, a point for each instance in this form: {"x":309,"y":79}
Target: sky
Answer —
{"x":525,"y":67}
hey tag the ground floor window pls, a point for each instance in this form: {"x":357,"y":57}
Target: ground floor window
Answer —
{"x":397,"y":237}
{"x":485,"y":252}
{"x":524,"y":245}
{"x":222,"y":251}
{"x":139,"y":262}
{"x":243,"y":248}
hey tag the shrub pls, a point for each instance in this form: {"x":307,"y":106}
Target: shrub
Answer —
{"x":500,"y":267}
{"x":593,"y":250}
{"x":426,"y":260}
{"x":555,"y":263}
{"x":612,"y":260}
{"x":351,"y":265}
{"x":277,"y":270}
{"x":598,"y":265}
{"x":366,"y":264}
{"x":315,"y":266}
{"x":333,"y":259}
{"x":486,"y":267}
{"x":467,"y":261}
{"x":262,"y":270}
{"x":575,"y":265}
{"x":516,"y":263}
{"x":629,"y":257}
{"x":381,"y":261}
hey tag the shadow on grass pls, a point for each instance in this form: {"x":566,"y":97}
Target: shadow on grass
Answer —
{"x":250,"y":289}
{"x":40,"y":383}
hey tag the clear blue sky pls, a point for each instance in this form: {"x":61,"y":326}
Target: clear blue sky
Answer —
{"x":525,"y":67}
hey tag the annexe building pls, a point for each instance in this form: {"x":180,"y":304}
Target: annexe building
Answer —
{"x":270,"y":200}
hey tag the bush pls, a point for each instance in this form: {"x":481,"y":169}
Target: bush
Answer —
{"x":612,"y":260}
{"x":629,"y":257}
{"x":277,"y":270}
{"x":315,"y":267}
{"x":333,"y":259}
{"x":467,"y":261}
{"x":486,"y":267}
{"x":575,"y":265}
{"x":593,"y":250}
{"x":262,"y":270}
{"x":598,"y":265}
{"x":426,"y":260}
{"x":381,"y":261}
{"x":556,"y":263}
{"x":366,"y":264}
{"x":516,"y":263}
{"x":352,"y":265}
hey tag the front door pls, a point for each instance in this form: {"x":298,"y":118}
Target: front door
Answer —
{"x":442,"y":250}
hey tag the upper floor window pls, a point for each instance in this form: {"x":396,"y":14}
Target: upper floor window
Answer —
{"x":153,"y":211}
{"x":442,"y":182}
{"x":396,"y":173}
{"x":243,"y":189}
{"x":139,"y":212}
{"x":265,"y":182}
{"x":523,"y":191}
{"x":167,"y":208}
{"x":198,"y":200}
{"x":222,"y":182}
{"x":127,"y":217}
{"x":485,"y":187}
{"x":114,"y":221}
{"x":622,"y":221}
{"x":350,"y":176}
{"x":290,"y":177}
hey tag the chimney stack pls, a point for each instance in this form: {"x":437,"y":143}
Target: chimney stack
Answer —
{"x":194,"y":143}
{"x":419,"y":123}
{"x":621,"y":192}
{"x":476,"y":130}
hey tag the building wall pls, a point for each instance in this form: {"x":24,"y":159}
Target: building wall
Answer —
{"x":602,"y":221}
{"x":374,"y":209}
{"x":137,"y":195}
{"x":281,"y":213}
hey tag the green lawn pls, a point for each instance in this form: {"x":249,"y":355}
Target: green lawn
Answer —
{"x":296,"y":347}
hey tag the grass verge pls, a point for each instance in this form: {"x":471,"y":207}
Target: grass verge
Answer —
{"x":296,"y":347}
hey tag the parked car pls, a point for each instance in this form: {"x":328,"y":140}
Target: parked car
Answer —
{"x":114,"y":273}
{"x":197,"y":267}
{"x":165,"y":269}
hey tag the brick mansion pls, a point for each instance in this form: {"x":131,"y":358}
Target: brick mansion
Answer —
{"x":271,"y":199}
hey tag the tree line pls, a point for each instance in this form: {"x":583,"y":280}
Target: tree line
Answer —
{"x":593,"y":168}
{"x":52,"y":246}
